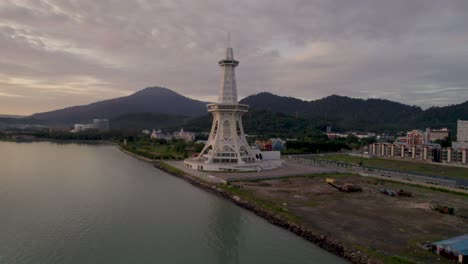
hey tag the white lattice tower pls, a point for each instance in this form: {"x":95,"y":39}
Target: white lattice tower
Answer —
{"x":227,"y":142}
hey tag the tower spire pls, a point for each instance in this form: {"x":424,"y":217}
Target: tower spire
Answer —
{"x":228,"y":89}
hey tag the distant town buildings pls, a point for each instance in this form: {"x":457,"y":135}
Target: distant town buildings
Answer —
{"x":82,"y":127}
{"x":102,"y":125}
{"x":420,"y":145}
{"x":385,"y":137}
{"x":158,"y":134}
{"x":360,"y":135}
{"x":427,"y":152}
{"x":263,"y":145}
{"x":273,"y":144}
{"x":184,"y":135}
{"x":418,"y":137}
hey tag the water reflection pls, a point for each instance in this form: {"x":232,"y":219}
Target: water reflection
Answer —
{"x":224,"y":232}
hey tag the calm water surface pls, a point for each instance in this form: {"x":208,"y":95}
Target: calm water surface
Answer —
{"x":78,"y":203}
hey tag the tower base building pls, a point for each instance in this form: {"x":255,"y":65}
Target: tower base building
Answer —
{"x":227,"y":148}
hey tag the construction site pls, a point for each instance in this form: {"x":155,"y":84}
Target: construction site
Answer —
{"x":394,"y":222}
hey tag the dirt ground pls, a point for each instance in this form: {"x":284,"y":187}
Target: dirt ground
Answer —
{"x":390,"y":227}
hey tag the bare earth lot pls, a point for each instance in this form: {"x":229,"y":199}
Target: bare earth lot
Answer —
{"x":390,"y":228}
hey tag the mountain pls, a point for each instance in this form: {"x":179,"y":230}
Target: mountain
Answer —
{"x":343,"y":113}
{"x":11,"y":116}
{"x":157,"y":107}
{"x":153,"y":100}
{"x":445,"y":116}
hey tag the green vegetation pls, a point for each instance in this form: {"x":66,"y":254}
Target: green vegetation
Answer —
{"x":169,"y":169}
{"x":319,"y":142}
{"x":269,"y":205}
{"x":408,"y":166}
{"x":161,"y":149}
{"x":265,"y":124}
{"x":113,"y":135}
{"x":412,"y":251}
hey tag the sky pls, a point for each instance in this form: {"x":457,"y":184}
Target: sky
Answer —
{"x":59,"y":53}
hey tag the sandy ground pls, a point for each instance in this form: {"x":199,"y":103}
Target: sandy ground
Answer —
{"x":290,"y":169}
{"x":380,"y":223}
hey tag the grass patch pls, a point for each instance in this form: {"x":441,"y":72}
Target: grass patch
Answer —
{"x":155,"y":152}
{"x":388,"y":259}
{"x":269,"y":205}
{"x":407,"y":166}
{"x":172,"y":170}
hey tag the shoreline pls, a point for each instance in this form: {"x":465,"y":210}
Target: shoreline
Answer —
{"x":325,"y":242}
{"x":328,"y":243}
{"x":71,"y":141}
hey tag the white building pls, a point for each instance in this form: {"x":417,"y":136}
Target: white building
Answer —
{"x":82,"y":127}
{"x":99,"y":124}
{"x":78,"y":128}
{"x":226,"y":148}
{"x":184,"y":135}
{"x":158,"y":134}
{"x":462,"y":135}
{"x":462,"y":131}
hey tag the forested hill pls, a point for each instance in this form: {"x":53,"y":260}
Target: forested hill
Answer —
{"x":153,"y":100}
{"x":345,"y":113}
{"x":157,"y":107}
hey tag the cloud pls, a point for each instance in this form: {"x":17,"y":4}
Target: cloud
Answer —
{"x":57,"y":53}
{"x":2,"y":94}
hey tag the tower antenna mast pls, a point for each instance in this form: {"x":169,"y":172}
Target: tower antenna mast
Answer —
{"x":228,"y":40}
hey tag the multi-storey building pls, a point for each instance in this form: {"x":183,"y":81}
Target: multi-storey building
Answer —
{"x":436,"y":134}
{"x":427,"y":152}
{"x":462,"y":131}
{"x":415,"y":138}
{"x":101,"y":124}
{"x":462,"y":135}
